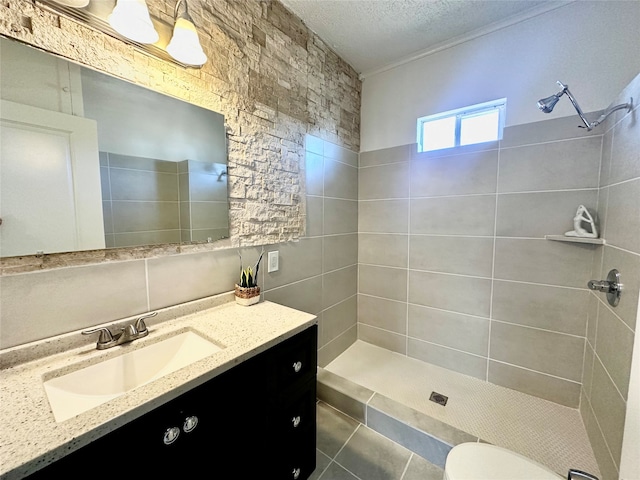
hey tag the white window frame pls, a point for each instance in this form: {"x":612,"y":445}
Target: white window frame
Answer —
{"x":461,"y":113}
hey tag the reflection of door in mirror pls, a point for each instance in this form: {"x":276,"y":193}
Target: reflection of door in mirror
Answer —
{"x":54,"y":156}
{"x":186,"y":145}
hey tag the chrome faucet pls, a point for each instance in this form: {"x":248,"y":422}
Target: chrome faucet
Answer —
{"x":127,"y":334}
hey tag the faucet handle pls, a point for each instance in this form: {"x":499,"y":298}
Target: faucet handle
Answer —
{"x":105,"y":334}
{"x":140,"y":325}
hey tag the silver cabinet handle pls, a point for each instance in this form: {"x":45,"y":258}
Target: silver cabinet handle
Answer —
{"x":296,"y":473}
{"x":189,"y":424}
{"x":296,"y":421}
{"x":171,"y":435}
{"x":297,"y":366}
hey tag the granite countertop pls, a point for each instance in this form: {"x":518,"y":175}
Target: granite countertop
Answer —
{"x":30,"y":436}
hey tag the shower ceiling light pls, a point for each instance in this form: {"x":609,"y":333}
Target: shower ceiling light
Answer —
{"x":131,"y":19}
{"x":185,"y":45}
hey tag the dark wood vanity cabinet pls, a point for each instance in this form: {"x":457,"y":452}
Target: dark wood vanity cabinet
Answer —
{"x":255,"y":421}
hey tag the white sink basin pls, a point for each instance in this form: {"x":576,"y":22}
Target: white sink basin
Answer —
{"x":74,"y":393}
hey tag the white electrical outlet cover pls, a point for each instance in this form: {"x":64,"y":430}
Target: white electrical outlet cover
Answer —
{"x":273,"y":261}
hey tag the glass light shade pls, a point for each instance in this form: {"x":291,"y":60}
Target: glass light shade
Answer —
{"x":73,"y":3}
{"x":184,"y":45}
{"x":131,"y":19}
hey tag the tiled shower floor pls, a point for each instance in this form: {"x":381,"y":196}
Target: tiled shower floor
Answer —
{"x":551,"y":434}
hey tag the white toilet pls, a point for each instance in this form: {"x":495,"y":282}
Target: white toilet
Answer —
{"x":480,"y":461}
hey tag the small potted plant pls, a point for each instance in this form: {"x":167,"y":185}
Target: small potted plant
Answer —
{"x":247,"y":290}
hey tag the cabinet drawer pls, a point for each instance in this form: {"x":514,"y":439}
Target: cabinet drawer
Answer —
{"x":296,"y":461}
{"x":296,"y":360}
{"x":298,"y":414}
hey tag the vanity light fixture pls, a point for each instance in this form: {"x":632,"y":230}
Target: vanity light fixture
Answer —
{"x":131,"y":19}
{"x":185,"y":45}
{"x":73,"y":3}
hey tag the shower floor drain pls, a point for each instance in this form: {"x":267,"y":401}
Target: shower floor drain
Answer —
{"x":438,"y":398}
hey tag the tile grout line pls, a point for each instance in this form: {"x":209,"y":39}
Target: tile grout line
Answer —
{"x":406,"y":467}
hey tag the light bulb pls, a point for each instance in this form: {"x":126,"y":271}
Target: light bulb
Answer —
{"x":131,"y":19}
{"x":184,"y":45}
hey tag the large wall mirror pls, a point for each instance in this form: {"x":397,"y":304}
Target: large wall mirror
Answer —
{"x":89,"y":161}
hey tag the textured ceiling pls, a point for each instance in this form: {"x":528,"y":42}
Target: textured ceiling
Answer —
{"x":373,"y":34}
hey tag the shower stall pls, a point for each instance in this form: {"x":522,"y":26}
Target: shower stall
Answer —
{"x":464,"y":293}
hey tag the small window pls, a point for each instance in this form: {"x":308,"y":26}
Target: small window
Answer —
{"x":474,"y":124}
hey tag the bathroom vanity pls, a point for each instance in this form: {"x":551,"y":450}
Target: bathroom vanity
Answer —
{"x":247,"y":411}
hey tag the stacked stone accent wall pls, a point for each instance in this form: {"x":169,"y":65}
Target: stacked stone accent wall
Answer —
{"x":272,"y":78}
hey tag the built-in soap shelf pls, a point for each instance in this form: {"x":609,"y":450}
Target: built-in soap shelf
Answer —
{"x":562,"y":238}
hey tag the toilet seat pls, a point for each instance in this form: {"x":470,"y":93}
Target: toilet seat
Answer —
{"x":480,"y":461}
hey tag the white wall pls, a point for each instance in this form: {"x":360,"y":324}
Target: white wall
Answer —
{"x":630,"y":461}
{"x":590,"y":45}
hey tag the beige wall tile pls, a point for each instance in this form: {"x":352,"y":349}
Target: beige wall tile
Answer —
{"x":144,"y":216}
{"x":540,"y":350}
{"x":390,"y":315}
{"x":614,"y":346}
{"x":182,"y":278}
{"x":625,"y":154}
{"x":383,"y":216}
{"x":388,"y":250}
{"x":454,"y":293}
{"x":385,"y":282}
{"x":541,"y":213}
{"x":629,"y":267}
{"x":340,"y":216}
{"x":339,"y":318}
{"x":562,"y":310}
{"x":141,"y":163}
{"x":623,"y":215}
{"x":340,"y":180}
{"x":339,"y":251}
{"x":587,"y":370}
{"x":550,"y":166}
{"x":314,"y":172}
{"x":208,"y":186}
{"x":608,"y":468}
{"x":305,"y":295}
{"x":382,"y":338}
{"x":384,"y":181}
{"x":209,"y":215}
{"x":339,"y":285}
{"x":334,"y":348}
{"x":470,"y":173}
{"x":466,"y":215}
{"x":453,"y":330}
{"x":592,"y":322}
{"x":344,"y":155}
{"x":543,"y":261}
{"x":544,"y":131}
{"x":297,"y":261}
{"x":133,"y":239}
{"x":384,"y":156}
{"x":314,"y":144}
{"x":44,"y":304}
{"x":605,"y":163}
{"x":142,"y":185}
{"x":609,"y":408}
{"x":315,"y":213}
{"x":540,"y":385}
{"x":447,"y":358}
{"x":461,"y":255}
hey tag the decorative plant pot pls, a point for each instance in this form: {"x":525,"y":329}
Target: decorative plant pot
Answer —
{"x":247,"y":295}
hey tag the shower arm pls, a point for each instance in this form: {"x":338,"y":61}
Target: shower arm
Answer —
{"x":591,"y":125}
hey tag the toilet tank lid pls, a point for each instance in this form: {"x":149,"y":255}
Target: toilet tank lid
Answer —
{"x":481,"y":461}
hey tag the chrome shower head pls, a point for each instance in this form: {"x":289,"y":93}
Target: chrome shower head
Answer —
{"x":546,"y":104}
